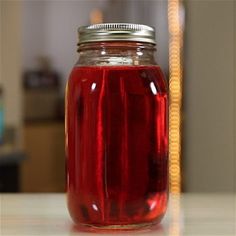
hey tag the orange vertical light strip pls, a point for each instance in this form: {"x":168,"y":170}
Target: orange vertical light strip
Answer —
{"x":175,"y":68}
{"x":96,"y":16}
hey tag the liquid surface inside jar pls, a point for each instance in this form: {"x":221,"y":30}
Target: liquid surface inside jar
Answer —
{"x":117,"y":145}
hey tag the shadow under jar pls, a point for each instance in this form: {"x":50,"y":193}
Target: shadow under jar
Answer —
{"x":117,"y":129}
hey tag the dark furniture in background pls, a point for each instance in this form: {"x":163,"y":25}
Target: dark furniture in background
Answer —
{"x":10,"y":161}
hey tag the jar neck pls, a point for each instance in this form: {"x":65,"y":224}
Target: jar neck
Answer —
{"x":116,"y":53}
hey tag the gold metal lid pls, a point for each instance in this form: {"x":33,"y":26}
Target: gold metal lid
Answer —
{"x":116,"y":32}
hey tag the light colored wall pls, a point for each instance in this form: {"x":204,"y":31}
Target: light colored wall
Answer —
{"x":33,"y":32}
{"x":234,"y":98}
{"x":50,"y":28}
{"x":10,"y":71}
{"x":209,"y":117}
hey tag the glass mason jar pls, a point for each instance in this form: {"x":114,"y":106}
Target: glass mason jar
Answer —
{"x":117,"y":129}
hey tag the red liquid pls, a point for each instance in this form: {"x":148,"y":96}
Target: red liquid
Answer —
{"x":117,"y":145}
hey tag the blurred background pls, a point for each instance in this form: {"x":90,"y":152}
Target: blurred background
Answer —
{"x":38,"y":50}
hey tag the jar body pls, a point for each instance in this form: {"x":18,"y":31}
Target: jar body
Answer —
{"x":117,"y":143}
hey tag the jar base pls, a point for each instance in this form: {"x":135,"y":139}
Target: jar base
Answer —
{"x":121,"y":227}
{"x":107,"y":228}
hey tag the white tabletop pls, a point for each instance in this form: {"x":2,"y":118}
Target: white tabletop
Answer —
{"x":188,"y":214}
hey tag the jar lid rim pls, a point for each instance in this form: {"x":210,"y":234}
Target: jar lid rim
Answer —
{"x":116,"y":32}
